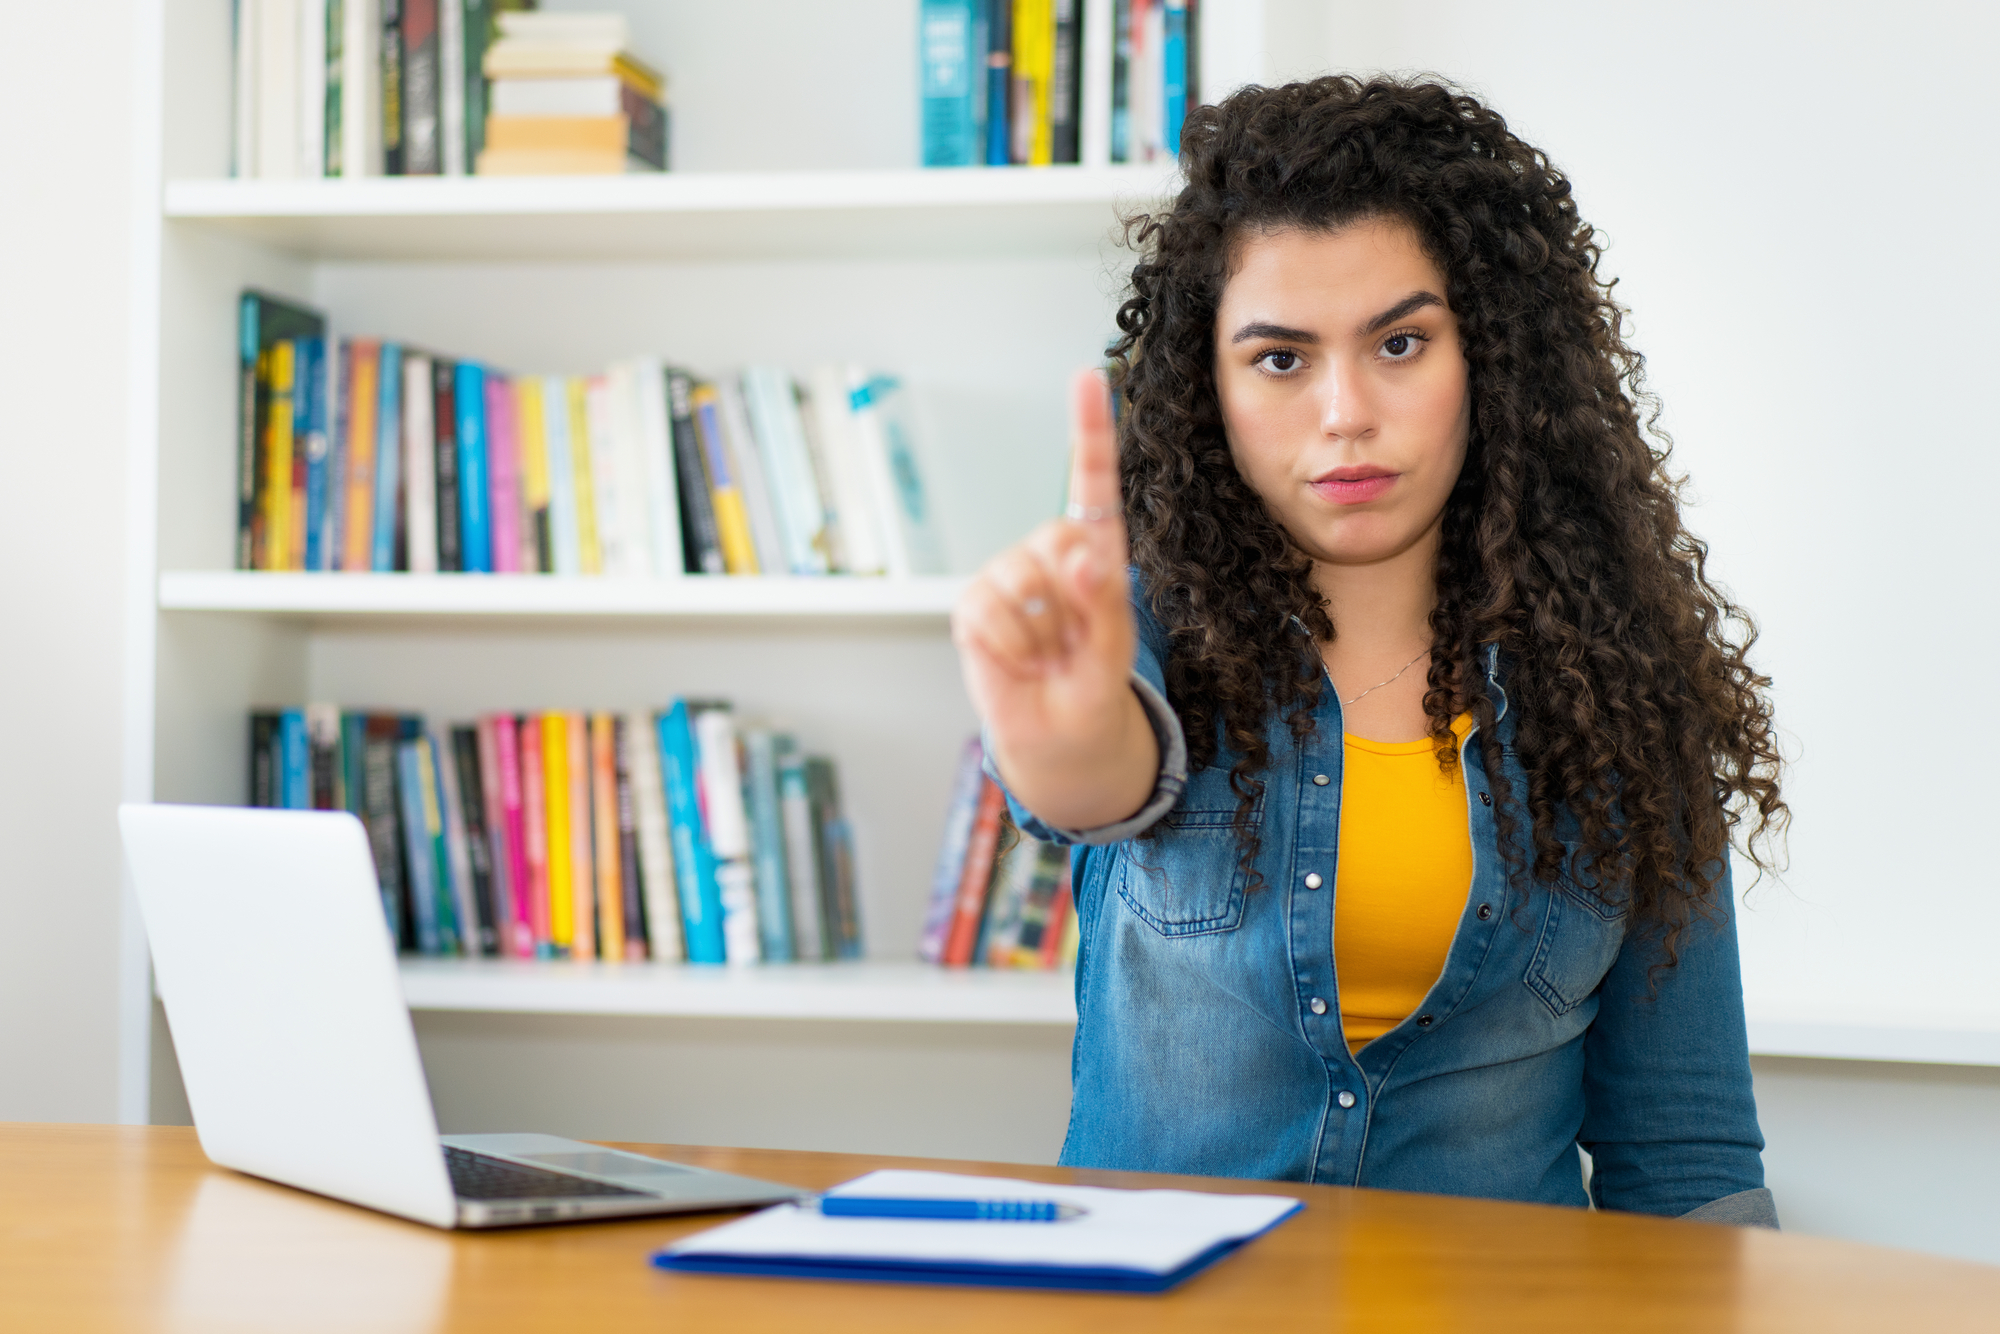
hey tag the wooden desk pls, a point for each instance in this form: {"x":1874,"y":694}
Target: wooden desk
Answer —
{"x":130,"y":1228}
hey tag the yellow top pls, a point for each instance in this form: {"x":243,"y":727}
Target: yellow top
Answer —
{"x":1405,"y":869}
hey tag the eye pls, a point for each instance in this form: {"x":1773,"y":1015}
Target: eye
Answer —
{"x":1403,"y":346}
{"x":1277,"y":361}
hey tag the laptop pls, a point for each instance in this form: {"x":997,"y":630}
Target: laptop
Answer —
{"x":275,"y":964}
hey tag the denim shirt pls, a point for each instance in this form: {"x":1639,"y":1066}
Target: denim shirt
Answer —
{"x":1208,"y":1014}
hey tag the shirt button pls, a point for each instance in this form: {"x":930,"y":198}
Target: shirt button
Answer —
{"x":1485,"y":912}
{"x":1313,"y":881}
{"x":1345,"y":1099}
{"x":1423,"y":1021}
{"x":1486,"y":799}
{"x":1317,"y":1004}
{"x":1321,"y":780}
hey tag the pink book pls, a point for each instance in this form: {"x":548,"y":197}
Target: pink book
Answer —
{"x":503,"y":471}
{"x":514,"y":847}
{"x":535,"y":833}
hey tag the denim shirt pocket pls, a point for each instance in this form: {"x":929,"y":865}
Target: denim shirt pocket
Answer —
{"x":1188,"y":878}
{"x":1580,"y":941}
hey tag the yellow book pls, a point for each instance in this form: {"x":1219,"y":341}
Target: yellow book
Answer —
{"x":534,"y":474}
{"x":732,"y":519}
{"x":278,"y":459}
{"x":604,"y":819}
{"x":576,"y":734}
{"x":555,"y":797}
{"x":590,"y":558}
{"x":1034,"y":76}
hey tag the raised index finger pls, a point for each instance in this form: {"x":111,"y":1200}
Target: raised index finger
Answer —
{"x":1094,"y":492}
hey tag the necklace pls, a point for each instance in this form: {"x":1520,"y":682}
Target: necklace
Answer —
{"x":1379,"y":684}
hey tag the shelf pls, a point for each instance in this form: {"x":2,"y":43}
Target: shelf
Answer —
{"x":1870,"y":1042}
{"x":899,"y":992}
{"x":766,"y":215}
{"x":320,"y":597}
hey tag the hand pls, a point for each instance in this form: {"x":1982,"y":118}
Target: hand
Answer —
{"x":1046,"y":639}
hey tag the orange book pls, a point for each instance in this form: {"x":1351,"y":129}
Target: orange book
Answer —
{"x":556,"y":801}
{"x":604,"y":820}
{"x":357,"y":548}
{"x":582,"y":877}
{"x":977,"y":877}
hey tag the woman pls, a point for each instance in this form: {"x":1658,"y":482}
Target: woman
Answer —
{"x":1404,"y":773}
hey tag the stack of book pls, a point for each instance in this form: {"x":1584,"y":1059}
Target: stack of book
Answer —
{"x":569,"y":97}
{"x":359,"y":454}
{"x":668,"y":836}
{"x":1044,"y":82}
{"x":1000,"y":898}
{"x":360,"y":87}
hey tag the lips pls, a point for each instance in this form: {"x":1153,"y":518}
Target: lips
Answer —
{"x":1355,"y":485}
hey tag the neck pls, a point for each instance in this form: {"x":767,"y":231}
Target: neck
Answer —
{"x":1382,"y":607}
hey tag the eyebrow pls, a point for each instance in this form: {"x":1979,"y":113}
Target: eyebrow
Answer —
{"x":1279,"y":332}
{"x":1409,"y":305}
{"x":1283,"y":333}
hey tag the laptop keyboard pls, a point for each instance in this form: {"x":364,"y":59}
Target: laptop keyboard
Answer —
{"x":474,"y":1176}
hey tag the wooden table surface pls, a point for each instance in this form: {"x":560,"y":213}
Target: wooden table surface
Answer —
{"x":131,"y":1228}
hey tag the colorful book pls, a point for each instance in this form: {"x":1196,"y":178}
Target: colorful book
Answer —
{"x":779,"y":432}
{"x":364,"y":397}
{"x":1033,"y":68}
{"x":959,"y":814}
{"x":310,"y":439}
{"x":999,"y":81}
{"x":418,"y":808}
{"x":630,"y":894}
{"x":509,"y":764}
{"x":1173,"y":73}
{"x":453,"y":843}
{"x":390,"y":48}
{"x":732,"y":520}
{"x":1036,"y":928}
{"x":475,"y":497}
{"x":949,"y":68}
{"x":497,"y":930}
{"x":728,"y":825}
{"x":607,"y":854}
{"x":810,"y":940}
{"x":589,"y":551}
{"x":445,"y":454}
{"x":531,"y":426}
{"x":694,"y":861}
{"x":294,"y":761}
{"x":422,"y":139}
{"x":279,"y":367}
{"x":583,"y":865}
{"x":481,"y":895}
{"x":503,"y":463}
{"x":388,"y":454}
{"x":535,"y":833}
{"x":560,"y":847}
{"x":747,"y":466}
{"x":701,"y":541}
{"x":969,"y":909}
{"x":767,"y":846}
{"x":1066,"y":84}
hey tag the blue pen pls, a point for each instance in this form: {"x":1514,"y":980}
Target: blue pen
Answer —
{"x":969,"y":1211}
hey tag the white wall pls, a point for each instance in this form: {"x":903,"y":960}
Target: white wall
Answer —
{"x":65,"y":198}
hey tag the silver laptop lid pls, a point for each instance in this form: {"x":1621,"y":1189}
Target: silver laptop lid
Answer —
{"x":279,"y":979}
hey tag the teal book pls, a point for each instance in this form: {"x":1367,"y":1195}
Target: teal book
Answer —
{"x":419,"y":854}
{"x":438,"y":814}
{"x":388,"y":462}
{"x":475,"y":528}
{"x":809,"y":935}
{"x":295,"y":761}
{"x":694,"y":860}
{"x":767,"y":847}
{"x":947,"y":66}
{"x":1174,"y":56}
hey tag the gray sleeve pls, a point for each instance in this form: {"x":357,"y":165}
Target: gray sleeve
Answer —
{"x":1167,"y":787}
{"x":1746,"y":1208}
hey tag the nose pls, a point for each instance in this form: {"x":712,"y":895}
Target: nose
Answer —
{"x":1348,"y":410}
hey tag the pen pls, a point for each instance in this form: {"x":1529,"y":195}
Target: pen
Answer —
{"x":988,"y":1211}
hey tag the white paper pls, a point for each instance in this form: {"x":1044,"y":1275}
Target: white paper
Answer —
{"x":1148,"y":1231}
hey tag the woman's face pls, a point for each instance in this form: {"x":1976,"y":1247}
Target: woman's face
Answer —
{"x":1343,"y":387}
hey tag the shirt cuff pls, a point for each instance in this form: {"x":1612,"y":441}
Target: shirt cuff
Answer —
{"x":1167,"y":787}
{"x":1746,"y":1208}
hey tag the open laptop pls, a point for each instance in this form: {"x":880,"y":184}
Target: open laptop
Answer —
{"x":278,"y":973}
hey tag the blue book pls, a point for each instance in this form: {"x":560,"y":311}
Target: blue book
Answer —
{"x":565,"y":539}
{"x":946,"y":63}
{"x":388,"y":460}
{"x":999,"y":81}
{"x":294,"y":761}
{"x":1173,"y":53}
{"x":431,"y":759}
{"x":309,"y":434}
{"x":694,"y":860}
{"x":767,"y":847}
{"x":419,"y":856}
{"x":475,"y":526}
{"x":340,"y":367}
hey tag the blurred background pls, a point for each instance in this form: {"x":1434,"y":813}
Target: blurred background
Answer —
{"x":1797,"y":200}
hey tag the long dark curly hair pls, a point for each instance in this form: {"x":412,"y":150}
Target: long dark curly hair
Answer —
{"x":1636,"y":709}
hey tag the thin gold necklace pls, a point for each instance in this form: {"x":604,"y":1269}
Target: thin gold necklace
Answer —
{"x":1348,"y":703}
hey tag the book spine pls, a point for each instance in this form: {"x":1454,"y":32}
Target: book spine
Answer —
{"x":655,"y":840}
{"x":249,"y":426}
{"x":809,"y":936}
{"x":635,"y":506}
{"x":310,"y":430}
{"x":561,"y":856}
{"x":589,"y":553}
{"x":630,"y":892}
{"x":472,"y":859}
{"x":243,"y":107}
{"x":694,"y":864}
{"x":530,"y":423}
{"x":565,"y":544}
{"x":656,"y":450}
{"x":353,"y":763}
{"x":294,"y":550}
{"x":969,"y":911}
{"x":445,"y":454}
{"x":421,"y":138}
{"x":503,"y":873}
{"x":1121,"y":82}
{"x":964,"y":805}
{"x":748,"y":468}
{"x":413,"y":789}
{"x":451,"y":87}
{"x":456,"y":916}
{"x":503,"y":466}
{"x":340,"y":408}
{"x":390,"y":49}
{"x":380,"y":807}
{"x":419,"y":543}
{"x":1034,"y":51}
{"x":364,"y":396}
{"x":478,"y":30}
{"x":854,"y":510}
{"x":728,"y":825}
{"x":999,"y":81}
{"x":535,"y":833}
{"x":947,"y":67}
{"x":767,"y":847}
{"x":323,"y":756}
{"x":606,"y":850}
{"x":871,"y":447}
{"x":583,"y":870}
{"x":837,"y":868}
{"x":1013,"y":870}
{"x":278,"y":81}
{"x":312,"y":87}
{"x":780,"y":436}
{"x":507,"y":736}
{"x":1173,"y":66}
{"x":475,"y":528}
{"x":604,"y":480}
{"x":388,"y":458}
{"x":1094,"y":61}
{"x":704,"y":544}
{"x":279,"y":420}
{"x":1066,"y":85}
{"x":264,"y":759}
{"x":732,"y":520}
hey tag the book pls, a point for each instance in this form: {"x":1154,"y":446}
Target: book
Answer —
{"x":703,"y":542}
{"x":853,"y":508}
{"x":360,"y":89}
{"x":1066,"y":83}
{"x":694,"y":862}
{"x":656,"y":451}
{"x":509,"y":767}
{"x":419,"y":461}
{"x":389,"y":49}
{"x":809,"y":934}
{"x":278,"y":367}
{"x":279,"y":96}
{"x":728,"y":825}
{"x":454,"y":843}
{"x":999,"y":81}
{"x":445,"y":451}
{"x":1174,"y":73}
{"x":732,"y":519}
{"x":262,"y":322}
{"x":379,"y":815}
{"x":747,"y":465}
{"x":323,"y":773}
{"x":948,"y":68}
{"x":607,"y":844}
{"x":265,"y":759}
{"x":312,"y":446}
{"x":452,"y":18}
{"x":655,"y":840}
{"x":565,"y":537}
{"x":560,"y":850}
{"x":605,"y":458}
{"x":478,"y":30}
{"x":312,"y":85}
{"x":839,"y":892}
{"x":881,"y":407}
{"x":476,"y":491}
{"x":1033,"y":67}
{"x":870,"y":441}
{"x":388,"y":458}
{"x":466,"y":792}
{"x":497,"y":927}
{"x":535,"y":834}
{"x":630,"y":893}
{"x":767,"y":846}
{"x":772,"y":408}
{"x":422,"y":139}
{"x":364,"y":397}
{"x":583,"y":862}
{"x":1015,"y":859}
{"x":531,"y":427}
{"x":963,"y":806}
{"x":417,"y":806}
{"x":340,"y":424}
{"x":969,"y":908}
{"x":506,"y":508}
{"x":1096,"y":59}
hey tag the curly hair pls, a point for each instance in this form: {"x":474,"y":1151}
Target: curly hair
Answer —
{"x":1636,"y":709}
